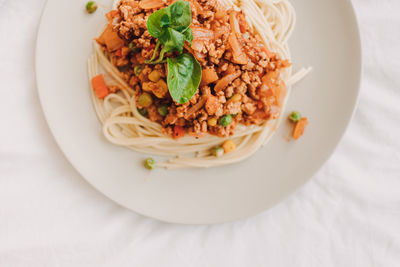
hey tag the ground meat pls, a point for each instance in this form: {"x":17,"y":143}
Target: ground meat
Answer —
{"x":212,"y":105}
{"x":232,"y":107}
{"x":249,"y":108}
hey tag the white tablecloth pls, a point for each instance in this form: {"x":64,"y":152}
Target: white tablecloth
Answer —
{"x":348,"y":215}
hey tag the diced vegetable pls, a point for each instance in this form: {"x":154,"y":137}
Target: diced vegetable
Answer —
{"x":162,"y":110}
{"x":143,"y":112}
{"x":151,"y":4}
{"x":212,"y":122}
{"x":295,"y":116}
{"x":239,"y":56}
{"x":228,"y":146}
{"x":118,"y":53}
{"x":110,"y":39}
{"x":159,"y":89}
{"x":225,"y":81}
{"x":236,"y":98}
{"x":209,"y":75}
{"x":99,"y":86}
{"x":149,"y":163}
{"x":138,"y":69}
{"x":178,"y":132}
{"x":132,"y":47}
{"x":217,"y":151}
{"x":154,"y":76}
{"x":200,"y":33}
{"x":280,"y":93}
{"x":299,"y":128}
{"x":145,"y":100}
{"x":226,"y":120}
{"x":91,"y":7}
{"x":196,"y":107}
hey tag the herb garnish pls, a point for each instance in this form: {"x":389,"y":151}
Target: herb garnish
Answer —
{"x":170,"y":26}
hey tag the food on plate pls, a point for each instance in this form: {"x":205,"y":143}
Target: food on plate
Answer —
{"x":91,"y":7}
{"x":203,"y":82}
{"x":149,"y":163}
{"x":294,"y":116}
{"x":300,"y":124}
{"x":299,"y":128}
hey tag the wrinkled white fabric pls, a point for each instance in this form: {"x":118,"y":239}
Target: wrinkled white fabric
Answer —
{"x":347,"y":215}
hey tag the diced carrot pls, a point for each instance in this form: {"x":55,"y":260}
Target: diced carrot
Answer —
{"x":280,"y":93}
{"x":110,"y":39}
{"x":299,"y":128}
{"x":208,"y":76}
{"x":118,"y":53}
{"x":178,"y":132}
{"x":99,"y":86}
{"x":225,"y":81}
{"x":151,"y":4}
{"x":112,"y":14}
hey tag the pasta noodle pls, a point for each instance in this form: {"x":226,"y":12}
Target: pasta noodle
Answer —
{"x":122,"y":124}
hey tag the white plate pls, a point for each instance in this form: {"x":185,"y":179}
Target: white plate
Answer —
{"x":326,"y":37}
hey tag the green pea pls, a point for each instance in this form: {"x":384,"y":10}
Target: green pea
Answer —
{"x":91,"y":7}
{"x":226,"y":120}
{"x":217,"y":151}
{"x":143,"y":112}
{"x":133,"y":48}
{"x":145,"y":100}
{"x":138,"y":69}
{"x":149,"y":163}
{"x":295,"y":116}
{"x":163,"y":110}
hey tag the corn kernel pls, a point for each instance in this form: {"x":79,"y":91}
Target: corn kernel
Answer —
{"x":212,"y":122}
{"x":236,"y":98}
{"x":161,"y":89}
{"x":154,"y":76}
{"x":146,"y":87}
{"x":228,"y":146}
{"x":162,"y":84}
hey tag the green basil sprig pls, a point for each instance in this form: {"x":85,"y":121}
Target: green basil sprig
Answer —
{"x":170,"y":26}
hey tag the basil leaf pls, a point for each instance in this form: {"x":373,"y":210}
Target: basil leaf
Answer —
{"x":188,"y":35}
{"x":180,"y":15}
{"x":165,"y":22}
{"x":154,"y":25}
{"x":184,"y":75}
{"x":172,"y":40}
